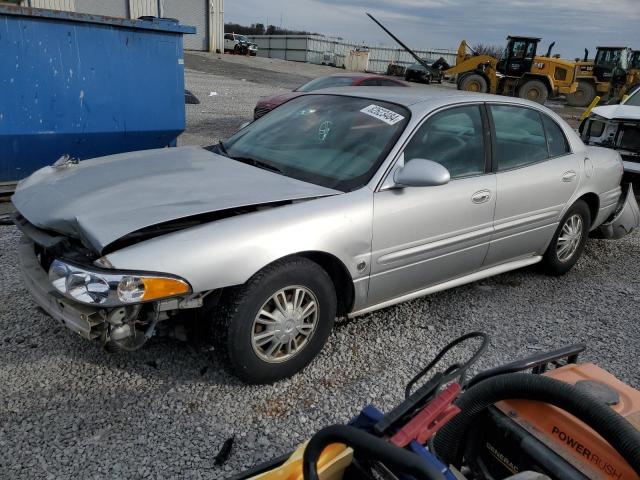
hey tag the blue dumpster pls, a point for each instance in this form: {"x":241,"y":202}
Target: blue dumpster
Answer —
{"x":86,"y":85}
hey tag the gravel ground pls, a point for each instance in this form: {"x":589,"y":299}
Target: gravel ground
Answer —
{"x":70,"y":410}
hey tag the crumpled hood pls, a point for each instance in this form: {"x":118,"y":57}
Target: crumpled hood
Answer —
{"x":618,"y":112}
{"x":103,"y":199}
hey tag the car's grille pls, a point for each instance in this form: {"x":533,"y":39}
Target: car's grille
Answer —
{"x":260,"y":111}
{"x":629,"y":137}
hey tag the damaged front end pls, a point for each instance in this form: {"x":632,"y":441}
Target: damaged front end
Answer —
{"x":72,"y":285}
{"x":620,"y":134}
{"x":625,"y":218}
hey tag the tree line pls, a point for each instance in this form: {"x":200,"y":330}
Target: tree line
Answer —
{"x":260,"y":29}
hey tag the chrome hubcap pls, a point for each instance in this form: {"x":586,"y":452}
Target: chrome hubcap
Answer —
{"x":569,"y":238}
{"x":284,"y":324}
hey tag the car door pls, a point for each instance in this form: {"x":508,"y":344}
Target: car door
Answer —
{"x":426,"y":235}
{"x":536,"y":175}
{"x":229,"y":43}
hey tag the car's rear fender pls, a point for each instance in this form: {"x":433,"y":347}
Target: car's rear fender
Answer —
{"x":600,"y":183}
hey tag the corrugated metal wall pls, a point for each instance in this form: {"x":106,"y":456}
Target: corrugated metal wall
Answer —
{"x":110,"y":8}
{"x":216,"y":26}
{"x":319,"y":50}
{"x":206,"y":15}
{"x":193,"y":12}
{"x":67,"y":5}
{"x":142,"y":8}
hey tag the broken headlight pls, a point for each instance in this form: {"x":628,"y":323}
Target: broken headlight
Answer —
{"x":110,"y":289}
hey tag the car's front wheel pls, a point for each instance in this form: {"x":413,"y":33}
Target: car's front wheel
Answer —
{"x":275,"y":324}
{"x":568,"y":241}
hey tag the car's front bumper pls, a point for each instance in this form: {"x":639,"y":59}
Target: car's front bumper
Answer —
{"x":625,"y":219}
{"x":86,"y":321}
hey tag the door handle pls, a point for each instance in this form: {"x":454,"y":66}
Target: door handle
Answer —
{"x":481,"y":197}
{"x":569,"y":176}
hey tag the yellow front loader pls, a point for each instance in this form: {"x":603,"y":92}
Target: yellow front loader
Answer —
{"x":519,"y":73}
{"x":614,"y":72}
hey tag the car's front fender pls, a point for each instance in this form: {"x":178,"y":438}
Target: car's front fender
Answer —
{"x":228,"y":252}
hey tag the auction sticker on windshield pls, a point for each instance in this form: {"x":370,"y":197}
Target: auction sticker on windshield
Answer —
{"x":387,"y":116}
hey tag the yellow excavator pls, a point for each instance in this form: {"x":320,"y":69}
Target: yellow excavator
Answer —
{"x":519,"y":73}
{"x":614,"y":72}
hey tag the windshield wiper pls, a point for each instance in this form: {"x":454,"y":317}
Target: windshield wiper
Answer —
{"x":223,"y":149}
{"x":258,"y":163}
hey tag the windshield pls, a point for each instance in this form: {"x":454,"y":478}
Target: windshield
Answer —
{"x":609,"y":58}
{"x":417,"y":66}
{"x":325,"y":82}
{"x":242,"y":38}
{"x":633,"y":99}
{"x":333,"y":141}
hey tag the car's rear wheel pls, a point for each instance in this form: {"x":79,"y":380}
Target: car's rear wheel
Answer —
{"x":569,"y":240}
{"x":275,"y":324}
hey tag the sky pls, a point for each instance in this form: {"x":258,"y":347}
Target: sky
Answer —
{"x":572,"y":24}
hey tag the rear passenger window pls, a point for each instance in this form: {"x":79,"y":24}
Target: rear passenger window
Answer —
{"x":453,"y":138}
{"x":520,"y":138}
{"x":556,"y":140}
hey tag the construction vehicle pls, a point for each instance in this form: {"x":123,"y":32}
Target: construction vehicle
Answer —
{"x":564,"y":420}
{"x":614,"y":72}
{"x":519,"y":73}
{"x":632,"y":79}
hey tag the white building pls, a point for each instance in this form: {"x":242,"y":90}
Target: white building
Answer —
{"x":206,"y":15}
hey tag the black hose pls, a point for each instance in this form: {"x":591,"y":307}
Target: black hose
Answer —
{"x":456,"y":370}
{"x":369,"y":446}
{"x":614,"y":428}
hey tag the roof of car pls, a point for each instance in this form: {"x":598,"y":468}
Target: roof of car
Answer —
{"x":356,"y":75}
{"x":416,"y":95}
{"x":523,"y":37}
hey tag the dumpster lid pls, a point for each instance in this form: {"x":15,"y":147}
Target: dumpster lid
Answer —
{"x":145,"y":23}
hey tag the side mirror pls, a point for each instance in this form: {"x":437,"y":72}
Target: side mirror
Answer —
{"x":419,"y":172}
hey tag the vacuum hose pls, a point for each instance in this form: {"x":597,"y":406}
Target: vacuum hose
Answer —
{"x":369,"y":446}
{"x":614,"y":428}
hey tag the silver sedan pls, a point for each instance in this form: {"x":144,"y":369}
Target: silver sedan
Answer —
{"x":335,"y":204}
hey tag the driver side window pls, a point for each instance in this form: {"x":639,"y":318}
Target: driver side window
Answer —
{"x":453,"y":138}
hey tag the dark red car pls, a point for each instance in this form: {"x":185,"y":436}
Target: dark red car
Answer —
{"x":267,"y":104}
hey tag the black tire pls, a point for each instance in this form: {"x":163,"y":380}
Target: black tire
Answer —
{"x":233,"y":328}
{"x":534,"y":90}
{"x":551,"y":263}
{"x":583,"y":96}
{"x":473,"y":82}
